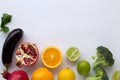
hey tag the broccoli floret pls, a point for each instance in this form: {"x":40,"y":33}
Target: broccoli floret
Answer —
{"x":100,"y":74}
{"x":104,"y":57}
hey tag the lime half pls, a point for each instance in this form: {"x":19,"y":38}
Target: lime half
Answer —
{"x":73,"y":53}
{"x":116,"y":75}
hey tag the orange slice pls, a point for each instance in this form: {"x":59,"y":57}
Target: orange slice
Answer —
{"x":51,"y":57}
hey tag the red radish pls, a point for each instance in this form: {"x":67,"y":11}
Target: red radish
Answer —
{"x":26,"y":54}
{"x":15,"y":75}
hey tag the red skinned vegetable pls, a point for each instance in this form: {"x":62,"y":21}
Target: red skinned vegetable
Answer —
{"x":15,"y":75}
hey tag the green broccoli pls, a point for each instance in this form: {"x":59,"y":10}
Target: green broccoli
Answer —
{"x":104,"y":57}
{"x":100,"y":74}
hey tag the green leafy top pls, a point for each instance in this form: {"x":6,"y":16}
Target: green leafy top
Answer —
{"x":5,"y":19}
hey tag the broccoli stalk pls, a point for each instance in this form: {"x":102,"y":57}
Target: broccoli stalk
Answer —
{"x":100,"y":74}
{"x":104,"y":57}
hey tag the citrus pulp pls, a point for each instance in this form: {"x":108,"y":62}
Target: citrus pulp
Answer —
{"x":51,"y":57}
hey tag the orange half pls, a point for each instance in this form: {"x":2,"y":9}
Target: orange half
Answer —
{"x":51,"y":57}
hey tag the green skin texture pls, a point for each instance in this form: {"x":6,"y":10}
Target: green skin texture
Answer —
{"x":104,"y":57}
{"x":116,"y":75}
{"x":100,"y":74}
{"x":83,"y":67}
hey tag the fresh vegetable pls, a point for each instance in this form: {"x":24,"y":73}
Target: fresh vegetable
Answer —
{"x":15,"y":75}
{"x":26,"y":54}
{"x":116,"y":75}
{"x":42,"y":74}
{"x":83,"y":67}
{"x":100,"y":74}
{"x":73,"y":53}
{"x":9,"y":45}
{"x":104,"y":57}
{"x":5,"y":19}
{"x":51,"y":56}
{"x":66,"y":74}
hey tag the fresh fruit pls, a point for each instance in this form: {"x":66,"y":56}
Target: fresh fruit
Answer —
{"x":83,"y":67}
{"x":116,"y":75}
{"x":42,"y":74}
{"x":66,"y":74}
{"x":26,"y":54}
{"x":51,"y":57}
{"x":15,"y":75}
{"x":73,"y":53}
{"x":10,"y":43}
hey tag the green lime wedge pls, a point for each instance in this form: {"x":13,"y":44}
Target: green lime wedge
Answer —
{"x":116,"y":75}
{"x":73,"y":53}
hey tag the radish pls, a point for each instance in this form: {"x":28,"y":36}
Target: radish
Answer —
{"x":15,"y":75}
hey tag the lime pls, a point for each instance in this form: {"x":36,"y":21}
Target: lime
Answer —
{"x":116,"y":75}
{"x":73,"y":53}
{"x":83,"y":67}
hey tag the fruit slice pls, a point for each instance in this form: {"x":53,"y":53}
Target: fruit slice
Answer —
{"x":116,"y":75}
{"x":26,"y":54}
{"x":51,"y":57}
{"x":66,"y":74}
{"x":73,"y":53}
{"x":42,"y":74}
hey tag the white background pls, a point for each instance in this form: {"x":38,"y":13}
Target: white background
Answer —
{"x":85,"y":24}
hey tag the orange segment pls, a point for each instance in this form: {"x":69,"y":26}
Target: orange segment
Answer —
{"x":51,"y":57}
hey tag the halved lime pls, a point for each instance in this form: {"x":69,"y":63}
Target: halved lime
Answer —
{"x":73,"y":53}
{"x":116,"y":75}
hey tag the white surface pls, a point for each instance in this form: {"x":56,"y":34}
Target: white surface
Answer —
{"x":85,"y":24}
